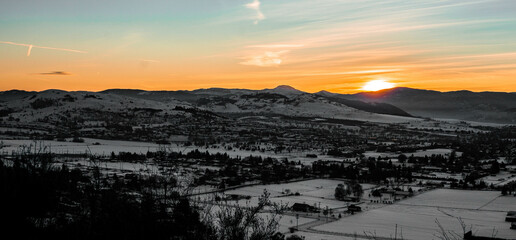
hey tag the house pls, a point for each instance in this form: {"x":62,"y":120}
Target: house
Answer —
{"x":511,"y":216}
{"x":303,"y":207}
{"x":354,"y":208}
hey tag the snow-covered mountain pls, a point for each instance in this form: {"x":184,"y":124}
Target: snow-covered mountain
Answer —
{"x":387,"y":106}
{"x":282,"y":100}
{"x":498,"y":107}
{"x":34,"y":106}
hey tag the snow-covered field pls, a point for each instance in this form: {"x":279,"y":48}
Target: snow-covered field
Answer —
{"x":419,"y":153}
{"x":502,"y":203}
{"x":317,"y":192}
{"x":415,"y":218}
{"x":288,"y":221}
{"x":499,"y":179}
{"x":104,"y":147}
{"x":308,"y":187}
{"x":450,"y":198}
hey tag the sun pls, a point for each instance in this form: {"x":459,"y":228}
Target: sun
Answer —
{"x":376,"y":85}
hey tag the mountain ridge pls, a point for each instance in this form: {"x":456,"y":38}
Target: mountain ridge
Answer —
{"x":463,"y":105}
{"x":487,"y":106}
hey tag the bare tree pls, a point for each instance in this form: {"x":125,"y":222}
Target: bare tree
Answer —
{"x":236,"y":222}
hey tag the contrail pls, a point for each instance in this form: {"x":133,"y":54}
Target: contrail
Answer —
{"x":28,"y":52}
{"x":30,"y":46}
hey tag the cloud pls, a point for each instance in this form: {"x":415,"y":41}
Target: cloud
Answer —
{"x":276,"y":46}
{"x":56,"y":73}
{"x":146,"y":62}
{"x":267,"y":59}
{"x":149,"y":60}
{"x":255,"y":5}
{"x":362,"y":72}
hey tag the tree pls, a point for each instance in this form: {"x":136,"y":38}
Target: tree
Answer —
{"x":376,"y":193}
{"x":357,"y":190}
{"x":495,"y":167}
{"x":402,"y":158}
{"x":340,"y":192}
{"x":504,"y":190}
{"x":234,"y":222}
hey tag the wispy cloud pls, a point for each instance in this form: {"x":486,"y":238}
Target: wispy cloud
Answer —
{"x":276,"y":46}
{"x":146,"y":62}
{"x":267,"y":59}
{"x":30,"y":46}
{"x":56,"y":73}
{"x":362,"y":72}
{"x":255,"y":5}
{"x":149,"y":61}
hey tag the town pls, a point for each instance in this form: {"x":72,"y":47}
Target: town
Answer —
{"x":322,"y":170}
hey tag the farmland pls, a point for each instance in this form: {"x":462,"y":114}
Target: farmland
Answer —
{"x":415,"y":218}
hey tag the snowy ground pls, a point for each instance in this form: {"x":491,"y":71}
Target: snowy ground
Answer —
{"x":317,"y":192}
{"x":106,"y":147}
{"x":90,"y":145}
{"x":416,"y":217}
{"x":419,"y":153}
{"x":499,"y":179}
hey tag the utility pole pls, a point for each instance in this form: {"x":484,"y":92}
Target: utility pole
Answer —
{"x":297,"y":221}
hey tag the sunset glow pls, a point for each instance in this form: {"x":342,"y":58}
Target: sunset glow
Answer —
{"x":324,"y":45}
{"x":376,"y":85}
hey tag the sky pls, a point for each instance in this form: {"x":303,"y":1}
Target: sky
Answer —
{"x":333,"y":45}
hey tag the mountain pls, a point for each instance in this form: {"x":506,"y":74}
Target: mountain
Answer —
{"x":51,"y":105}
{"x":282,"y":100}
{"x":386,"y":106}
{"x":374,"y":107}
{"x":497,"y":107}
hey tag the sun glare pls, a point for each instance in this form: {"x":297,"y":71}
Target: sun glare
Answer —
{"x":376,"y":85}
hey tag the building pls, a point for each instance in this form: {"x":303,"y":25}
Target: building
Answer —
{"x":303,"y":207}
{"x":354,"y":208}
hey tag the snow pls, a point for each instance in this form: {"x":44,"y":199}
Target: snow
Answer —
{"x":450,"y":198}
{"x":418,"y":153}
{"x":416,"y":217}
{"x":117,"y":166}
{"x":303,"y":187}
{"x":317,"y":192}
{"x":303,"y":105}
{"x":318,"y":236}
{"x":499,"y":179}
{"x":89,"y":145}
{"x":288,"y":221}
{"x":501,"y":203}
{"x":82,"y":100}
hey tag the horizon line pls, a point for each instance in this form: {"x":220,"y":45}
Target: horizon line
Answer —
{"x":323,"y":90}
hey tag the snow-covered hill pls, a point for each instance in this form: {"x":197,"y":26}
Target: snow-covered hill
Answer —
{"x":282,"y":100}
{"x":495,"y":107}
{"x":288,"y":101}
{"x":34,"y":106}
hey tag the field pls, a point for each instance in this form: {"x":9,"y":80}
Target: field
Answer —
{"x":103,"y":147}
{"x":415,"y":218}
{"x":499,"y":179}
{"x":90,"y":145}
{"x":317,"y":192}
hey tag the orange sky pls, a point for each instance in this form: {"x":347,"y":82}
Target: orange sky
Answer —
{"x":336,"y":46}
